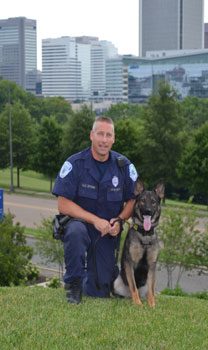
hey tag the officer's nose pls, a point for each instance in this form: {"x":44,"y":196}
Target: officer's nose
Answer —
{"x":104,"y":138}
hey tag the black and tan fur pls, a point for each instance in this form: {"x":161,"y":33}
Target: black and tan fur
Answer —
{"x":140,"y":251}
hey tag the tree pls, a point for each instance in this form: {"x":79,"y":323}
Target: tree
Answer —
{"x":14,"y":254}
{"x":124,"y":110}
{"x":128,"y":140}
{"x":179,"y":240}
{"x":50,"y":249}
{"x":59,"y":108}
{"x":77,"y":131}
{"x":16,"y":93}
{"x":193,"y":167}
{"x":163,"y":139}
{"x":195,"y":111}
{"x":22,"y":138}
{"x":48,"y":157}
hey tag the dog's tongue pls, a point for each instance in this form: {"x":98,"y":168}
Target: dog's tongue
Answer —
{"x":147,"y":222}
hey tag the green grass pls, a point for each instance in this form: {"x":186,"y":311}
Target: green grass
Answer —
{"x":184,"y":205}
{"x":40,"y":319}
{"x":33,"y":181}
{"x":29,"y":180}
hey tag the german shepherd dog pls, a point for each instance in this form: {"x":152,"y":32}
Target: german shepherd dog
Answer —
{"x":141,"y":248}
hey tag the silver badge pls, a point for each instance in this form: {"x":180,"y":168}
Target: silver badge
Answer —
{"x":115,"y":181}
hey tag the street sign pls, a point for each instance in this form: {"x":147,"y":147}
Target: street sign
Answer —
{"x":1,"y":204}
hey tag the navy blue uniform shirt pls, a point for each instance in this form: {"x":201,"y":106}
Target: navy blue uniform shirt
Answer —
{"x":79,"y":181}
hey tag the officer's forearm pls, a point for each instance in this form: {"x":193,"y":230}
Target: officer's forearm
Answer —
{"x":127,"y":210}
{"x":68,"y":207}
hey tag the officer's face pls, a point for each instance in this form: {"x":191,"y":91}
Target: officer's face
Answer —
{"x":102,"y":138}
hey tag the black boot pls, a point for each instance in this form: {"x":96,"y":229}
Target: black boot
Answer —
{"x":74,"y":291}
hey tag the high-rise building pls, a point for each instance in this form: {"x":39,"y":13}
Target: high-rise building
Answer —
{"x":18,"y":51}
{"x":100,"y":52}
{"x":75,"y":67}
{"x":116,"y":80}
{"x":66,"y":68}
{"x":206,"y":35}
{"x":170,"y":25}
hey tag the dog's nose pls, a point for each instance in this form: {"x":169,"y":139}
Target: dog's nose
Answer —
{"x":147,"y":211}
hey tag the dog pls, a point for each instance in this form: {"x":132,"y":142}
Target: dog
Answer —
{"x":141,"y":247}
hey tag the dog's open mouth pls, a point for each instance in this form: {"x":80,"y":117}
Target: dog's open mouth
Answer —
{"x":147,"y":222}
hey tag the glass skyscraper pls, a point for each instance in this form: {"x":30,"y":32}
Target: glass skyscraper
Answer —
{"x":18,"y":51}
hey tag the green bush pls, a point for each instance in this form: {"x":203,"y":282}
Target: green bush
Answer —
{"x":14,"y":254}
{"x":178,"y":292}
{"x":32,"y":272}
{"x":54,"y":282}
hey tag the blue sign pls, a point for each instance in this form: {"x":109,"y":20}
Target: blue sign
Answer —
{"x":1,"y":204}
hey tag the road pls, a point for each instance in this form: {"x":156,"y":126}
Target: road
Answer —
{"x":29,"y":211}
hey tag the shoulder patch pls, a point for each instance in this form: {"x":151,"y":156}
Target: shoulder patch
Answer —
{"x":132,"y":172}
{"x":65,"y":170}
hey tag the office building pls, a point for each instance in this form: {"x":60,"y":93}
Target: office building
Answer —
{"x":100,"y":52}
{"x":116,"y":80}
{"x":18,"y":51}
{"x":170,"y":25}
{"x":66,"y":68}
{"x":206,"y":35}
{"x":187,"y":73}
{"x":75,"y":67}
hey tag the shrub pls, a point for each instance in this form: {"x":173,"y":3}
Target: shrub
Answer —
{"x":14,"y":254}
{"x":179,"y":239}
{"x":54,"y":282}
{"x":32,"y":272}
{"x":50,"y":249}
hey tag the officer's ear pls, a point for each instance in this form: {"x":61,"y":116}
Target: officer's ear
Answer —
{"x":91,"y":134}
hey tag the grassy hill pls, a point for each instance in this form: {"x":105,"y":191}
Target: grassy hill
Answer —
{"x":40,"y":318}
{"x":36,"y":182}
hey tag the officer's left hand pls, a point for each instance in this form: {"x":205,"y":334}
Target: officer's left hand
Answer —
{"x":115,"y":229}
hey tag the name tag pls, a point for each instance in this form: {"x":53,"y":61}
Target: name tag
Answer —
{"x":88,"y":186}
{"x":114,"y":189}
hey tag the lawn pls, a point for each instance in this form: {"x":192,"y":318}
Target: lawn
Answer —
{"x":29,"y":180}
{"x":33,"y":181}
{"x":40,"y":318}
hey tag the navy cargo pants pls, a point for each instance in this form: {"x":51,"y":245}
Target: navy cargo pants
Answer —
{"x":91,"y":257}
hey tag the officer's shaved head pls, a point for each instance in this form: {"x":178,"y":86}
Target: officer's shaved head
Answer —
{"x":102,"y":119}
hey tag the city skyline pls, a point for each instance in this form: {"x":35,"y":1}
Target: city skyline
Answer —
{"x":115,"y":21}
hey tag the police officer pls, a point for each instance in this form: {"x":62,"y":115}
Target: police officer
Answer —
{"x":92,"y":189}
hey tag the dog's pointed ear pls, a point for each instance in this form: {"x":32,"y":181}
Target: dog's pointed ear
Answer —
{"x":139,"y":187}
{"x":160,"y":189}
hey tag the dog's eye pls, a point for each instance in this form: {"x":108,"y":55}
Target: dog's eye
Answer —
{"x":143,"y":201}
{"x":153,"y":201}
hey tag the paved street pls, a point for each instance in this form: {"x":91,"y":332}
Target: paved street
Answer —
{"x":30,"y":210}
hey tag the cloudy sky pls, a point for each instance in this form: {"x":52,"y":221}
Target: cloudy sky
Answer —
{"x":113,"y":20}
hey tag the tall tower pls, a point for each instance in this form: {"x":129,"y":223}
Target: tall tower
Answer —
{"x":206,"y":35}
{"x":170,"y":25}
{"x":18,"y":51}
{"x":66,"y":68}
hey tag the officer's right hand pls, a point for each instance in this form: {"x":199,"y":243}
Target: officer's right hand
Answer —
{"x":103,"y":226}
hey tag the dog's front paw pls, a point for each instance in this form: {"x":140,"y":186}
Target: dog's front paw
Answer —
{"x":151,"y":301}
{"x":137,"y":301}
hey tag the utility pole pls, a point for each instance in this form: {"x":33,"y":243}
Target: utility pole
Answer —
{"x":10,"y":144}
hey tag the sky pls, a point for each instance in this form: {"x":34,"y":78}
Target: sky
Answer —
{"x":113,"y":20}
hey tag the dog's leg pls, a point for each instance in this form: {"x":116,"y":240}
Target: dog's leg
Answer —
{"x":132,"y":284}
{"x":151,"y":281}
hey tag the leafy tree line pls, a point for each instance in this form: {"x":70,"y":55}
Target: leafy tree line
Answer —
{"x":166,"y":138}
